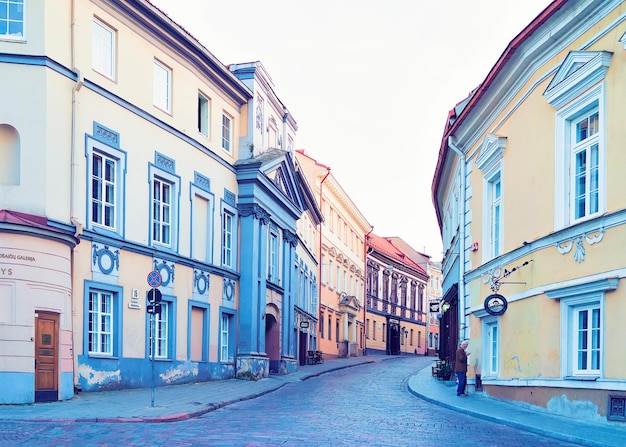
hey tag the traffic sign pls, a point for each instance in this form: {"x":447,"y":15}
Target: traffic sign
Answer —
{"x":153,"y":309}
{"x":154,"y":296}
{"x":154,"y":278}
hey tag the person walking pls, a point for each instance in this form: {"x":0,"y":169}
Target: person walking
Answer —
{"x":460,"y":368}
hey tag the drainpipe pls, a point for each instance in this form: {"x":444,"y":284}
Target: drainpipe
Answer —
{"x":365,"y":290}
{"x":462,"y":317}
{"x":320,"y":253}
{"x":73,"y":163}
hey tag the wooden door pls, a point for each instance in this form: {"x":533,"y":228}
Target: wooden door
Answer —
{"x":46,"y":357}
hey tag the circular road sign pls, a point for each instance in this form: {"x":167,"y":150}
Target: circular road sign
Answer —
{"x":154,"y":279}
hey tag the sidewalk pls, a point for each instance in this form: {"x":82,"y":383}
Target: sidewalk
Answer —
{"x":179,"y":402}
{"x":171,"y":403}
{"x":427,"y":387}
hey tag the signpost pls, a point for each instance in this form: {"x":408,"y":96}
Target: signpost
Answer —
{"x":154,"y":307}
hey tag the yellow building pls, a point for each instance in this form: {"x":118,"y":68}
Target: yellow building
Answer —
{"x":530,"y":194}
{"x":341,"y":330}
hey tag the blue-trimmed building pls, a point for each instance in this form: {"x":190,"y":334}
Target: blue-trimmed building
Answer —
{"x":276,"y":291}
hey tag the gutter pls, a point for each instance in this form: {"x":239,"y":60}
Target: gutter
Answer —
{"x":462,"y":317}
{"x":320,"y":245}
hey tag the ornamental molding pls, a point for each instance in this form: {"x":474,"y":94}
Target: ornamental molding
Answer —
{"x":254,"y":210}
{"x":591,"y":237}
{"x":491,"y":151}
{"x":105,"y":259}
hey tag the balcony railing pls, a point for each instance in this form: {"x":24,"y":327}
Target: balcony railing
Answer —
{"x":375,"y":303}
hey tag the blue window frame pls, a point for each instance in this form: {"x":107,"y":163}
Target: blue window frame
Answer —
{"x":103,"y":319}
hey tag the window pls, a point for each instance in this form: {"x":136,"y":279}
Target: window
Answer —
{"x":496,"y":215}
{"x":162,"y":87}
{"x":367,"y":328}
{"x":580,"y":136}
{"x":491,"y":346}
{"x":585,"y":165}
{"x":103,"y":49}
{"x":106,"y":169}
{"x":102,"y":314}
{"x":490,"y":162}
{"x":164,"y":330}
{"x":224,"y":330}
{"x":337,"y":329}
{"x":321,"y":324}
{"x":582,"y":326}
{"x":373,"y":329}
{"x":229,"y":236}
{"x":12,"y":19}
{"x":330,"y":273}
{"x":164,"y":198}
{"x":161,"y":211}
{"x":161,"y":332}
{"x":103,"y":194}
{"x":204,"y":110}
{"x":226,"y":132}
{"x":330,"y":322}
{"x":100,"y":323}
{"x":587,"y":346}
{"x":273,"y":273}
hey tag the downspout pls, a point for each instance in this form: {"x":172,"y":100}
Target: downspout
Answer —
{"x":73,"y":196}
{"x":365,"y":243}
{"x":462,"y":317}
{"x":320,"y":253}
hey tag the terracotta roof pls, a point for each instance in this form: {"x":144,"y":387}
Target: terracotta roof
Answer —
{"x":478,"y":93}
{"x":382,"y":245}
{"x":29,"y":220}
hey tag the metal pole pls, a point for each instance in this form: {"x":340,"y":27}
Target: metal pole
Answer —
{"x":152,"y":348}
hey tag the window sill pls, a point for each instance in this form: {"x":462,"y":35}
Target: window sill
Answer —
{"x":582,"y":378}
{"x":94,"y":355}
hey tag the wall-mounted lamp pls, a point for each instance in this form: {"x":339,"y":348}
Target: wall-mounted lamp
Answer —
{"x":445,"y":306}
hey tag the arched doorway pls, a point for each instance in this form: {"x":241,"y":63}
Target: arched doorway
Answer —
{"x":272,"y":342}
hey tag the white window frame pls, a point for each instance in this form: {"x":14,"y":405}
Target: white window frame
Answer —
{"x":224,"y":335}
{"x":495,"y":214}
{"x":227,"y":132}
{"x":578,"y":85}
{"x":570,"y":310}
{"x":161,"y":332}
{"x":162,"y":92}
{"x":173,"y":182}
{"x":9,"y":4}
{"x":100,"y":338}
{"x":565,"y":160}
{"x":103,"y":49}
{"x":228,"y":236}
{"x":491,"y":346}
{"x":273,"y":261}
{"x":204,"y":115}
{"x":93,"y":149}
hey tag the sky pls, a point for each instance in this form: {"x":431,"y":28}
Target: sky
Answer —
{"x":370,"y":84}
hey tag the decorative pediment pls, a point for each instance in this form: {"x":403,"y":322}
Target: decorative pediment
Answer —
{"x":579,"y":71}
{"x":491,"y":152}
{"x":349,"y":303}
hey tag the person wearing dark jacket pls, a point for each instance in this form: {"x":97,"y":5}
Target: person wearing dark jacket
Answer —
{"x":460,"y":368}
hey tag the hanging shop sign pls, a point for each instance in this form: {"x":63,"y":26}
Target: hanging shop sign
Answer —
{"x":496,"y":304}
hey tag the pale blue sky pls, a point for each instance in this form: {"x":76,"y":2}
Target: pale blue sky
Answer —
{"x":369,"y":82}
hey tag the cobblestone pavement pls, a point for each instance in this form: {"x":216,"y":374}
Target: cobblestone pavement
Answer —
{"x":366,"y":405}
